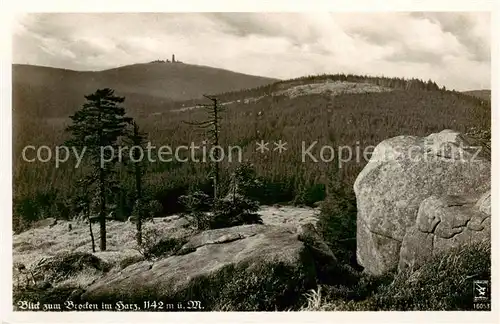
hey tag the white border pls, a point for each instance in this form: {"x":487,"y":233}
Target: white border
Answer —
{"x":231,"y":6}
{"x":248,"y":5}
{"x":495,"y":156}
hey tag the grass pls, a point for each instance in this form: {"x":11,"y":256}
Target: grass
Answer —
{"x":61,"y":258}
{"x":64,"y":266}
{"x":258,"y":286}
{"x":32,"y":245}
{"x":444,"y":283}
{"x":267,"y":287}
{"x":127,"y":261}
{"x":163,"y":247}
{"x":70,"y":268}
{"x":56,"y":278}
{"x":272,"y":287}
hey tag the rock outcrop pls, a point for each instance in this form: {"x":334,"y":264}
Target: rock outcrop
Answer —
{"x":443,"y":223}
{"x":216,"y":265}
{"x":402,"y":172}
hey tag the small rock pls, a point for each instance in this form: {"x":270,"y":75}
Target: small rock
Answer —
{"x":43,"y":285}
{"x":484,"y":203}
{"x":76,"y":294}
{"x":317,"y":204}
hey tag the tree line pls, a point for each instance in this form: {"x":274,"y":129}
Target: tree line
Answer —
{"x":393,"y":83}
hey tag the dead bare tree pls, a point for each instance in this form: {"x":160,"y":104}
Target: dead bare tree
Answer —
{"x":212,"y":124}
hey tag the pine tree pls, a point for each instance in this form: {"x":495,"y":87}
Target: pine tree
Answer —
{"x":96,"y":128}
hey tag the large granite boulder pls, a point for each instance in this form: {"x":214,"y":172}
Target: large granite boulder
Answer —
{"x":271,"y":265}
{"x":402,"y":172}
{"x":444,"y":223}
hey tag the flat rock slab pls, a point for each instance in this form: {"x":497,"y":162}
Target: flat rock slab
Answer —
{"x":208,"y":259}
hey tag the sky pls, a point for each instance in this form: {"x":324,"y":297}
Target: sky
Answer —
{"x":452,"y":49}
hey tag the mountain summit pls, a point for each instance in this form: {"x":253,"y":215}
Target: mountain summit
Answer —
{"x":54,"y":92}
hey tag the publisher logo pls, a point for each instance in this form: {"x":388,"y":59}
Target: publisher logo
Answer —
{"x":481,"y":290}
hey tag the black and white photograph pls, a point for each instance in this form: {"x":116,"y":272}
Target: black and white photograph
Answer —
{"x":322,"y":161}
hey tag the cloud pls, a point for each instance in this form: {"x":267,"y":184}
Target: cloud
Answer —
{"x":451,"y":48}
{"x":473,"y":31}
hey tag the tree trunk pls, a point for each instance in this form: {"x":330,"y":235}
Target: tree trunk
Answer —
{"x":102,"y":184}
{"x":138,"y":186}
{"x":139,"y":200}
{"x":102,"y":211}
{"x":234,"y":188}
{"x":90,"y":228}
{"x":139,"y":231}
{"x":216,"y":143}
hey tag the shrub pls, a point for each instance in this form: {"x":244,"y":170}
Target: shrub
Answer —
{"x":166,"y":247}
{"x":234,"y":211}
{"x":155,"y":208}
{"x":237,"y":208}
{"x":29,"y":209}
{"x":150,"y":237}
{"x":19,"y":224}
{"x":270,"y":287}
{"x":149,"y":209}
{"x":271,"y":191}
{"x":66,"y":264}
{"x":196,"y":205}
{"x":308,"y":195}
{"x":481,"y":138}
{"x":153,"y":244}
{"x":337,"y":224}
{"x":247,"y":181}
